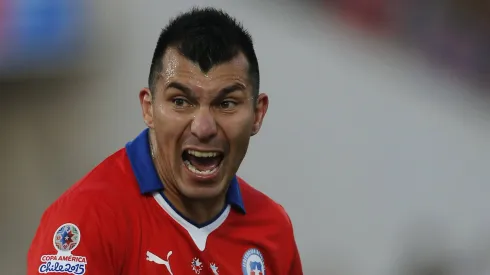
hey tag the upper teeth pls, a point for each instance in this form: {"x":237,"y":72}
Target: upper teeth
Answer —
{"x":202,"y":154}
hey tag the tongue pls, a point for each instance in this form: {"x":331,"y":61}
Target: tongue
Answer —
{"x":203,"y":164}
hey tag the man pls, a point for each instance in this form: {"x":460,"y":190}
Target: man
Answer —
{"x":169,"y":202}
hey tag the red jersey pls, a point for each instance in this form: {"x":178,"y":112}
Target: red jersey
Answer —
{"x":116,"y":220}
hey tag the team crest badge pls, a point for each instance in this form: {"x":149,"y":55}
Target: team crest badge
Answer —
{"x":253,"y":263}
{"x":65,"y":240}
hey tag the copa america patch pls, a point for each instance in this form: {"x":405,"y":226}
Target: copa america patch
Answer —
{"x":66,"y":238}
{"x":253,"y":263}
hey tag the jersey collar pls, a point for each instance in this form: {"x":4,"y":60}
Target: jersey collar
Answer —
{"x":138,"y":151}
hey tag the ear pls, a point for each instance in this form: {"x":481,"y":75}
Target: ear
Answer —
{"x":261,"y":107}
{"x":146,"y":102}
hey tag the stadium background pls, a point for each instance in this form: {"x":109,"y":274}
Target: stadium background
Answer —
{"x":382,"y":165}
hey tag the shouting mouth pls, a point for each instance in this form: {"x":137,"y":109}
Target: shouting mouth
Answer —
{"x":203,"y":164}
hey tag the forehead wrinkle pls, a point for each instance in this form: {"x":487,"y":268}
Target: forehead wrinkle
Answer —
{"x":201,"y":77}
{"x":176,"y":67}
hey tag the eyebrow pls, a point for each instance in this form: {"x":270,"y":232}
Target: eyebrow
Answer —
{"x":222,"y":93}
{"x":181,"y":87}
{"x":232,"y":88}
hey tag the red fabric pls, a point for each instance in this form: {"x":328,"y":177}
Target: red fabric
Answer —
{"x":117,"y":227}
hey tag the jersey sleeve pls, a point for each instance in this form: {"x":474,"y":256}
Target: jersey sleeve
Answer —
{"x":77,"y":235}
{"x":295,"y":267}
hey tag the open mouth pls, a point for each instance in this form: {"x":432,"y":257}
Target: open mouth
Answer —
{"x":201,"y":162}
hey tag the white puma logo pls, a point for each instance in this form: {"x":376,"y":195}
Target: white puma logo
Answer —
{"x":154,"y":258}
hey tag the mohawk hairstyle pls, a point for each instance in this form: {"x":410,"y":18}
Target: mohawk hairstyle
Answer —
{"x":207,"y":37}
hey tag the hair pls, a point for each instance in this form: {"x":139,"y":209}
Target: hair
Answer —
{"x":207,"y":37}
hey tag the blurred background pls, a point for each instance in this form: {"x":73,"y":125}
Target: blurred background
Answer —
{"x":383,"y":165}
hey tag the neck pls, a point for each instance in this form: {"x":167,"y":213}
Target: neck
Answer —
{"x":198,"y":211}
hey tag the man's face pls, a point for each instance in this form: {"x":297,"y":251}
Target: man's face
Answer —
{"x":202,"y":123}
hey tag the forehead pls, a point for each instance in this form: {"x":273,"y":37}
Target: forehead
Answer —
{"x":176,"y":67}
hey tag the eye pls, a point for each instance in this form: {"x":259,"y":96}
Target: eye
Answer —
{"x":180,"y":102}
{"x":227,"y":104}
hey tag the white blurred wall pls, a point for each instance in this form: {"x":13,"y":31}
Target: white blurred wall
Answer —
{"x":360,"y":141}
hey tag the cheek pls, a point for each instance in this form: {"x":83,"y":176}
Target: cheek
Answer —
{"x":169,"y":127}
{"x":166,"y":114}
{"x":238,"y":134}
{"x":170,"y":121}
{"x":238,"y":129}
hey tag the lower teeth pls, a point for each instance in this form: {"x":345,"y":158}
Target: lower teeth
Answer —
{"x":197,"y":171}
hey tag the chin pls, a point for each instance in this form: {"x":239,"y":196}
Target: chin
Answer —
{"x":200,"y":191}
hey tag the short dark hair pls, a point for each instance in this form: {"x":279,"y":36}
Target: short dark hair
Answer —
{"x":207,"y":37}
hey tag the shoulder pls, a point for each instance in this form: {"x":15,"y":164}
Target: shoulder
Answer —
{"x":108,"y":182}
{"x":100,"y":192}
{"x":94,"y":206}
{"x":259,"y":205}
{"x":88,"y":217}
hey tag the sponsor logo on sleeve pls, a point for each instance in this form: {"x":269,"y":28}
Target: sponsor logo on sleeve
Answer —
{"x":65,"y":240}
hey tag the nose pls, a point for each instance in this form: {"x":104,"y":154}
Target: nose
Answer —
{"x":204,"y":125}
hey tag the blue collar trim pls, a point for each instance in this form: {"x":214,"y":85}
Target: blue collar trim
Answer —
{"x":138,"y":151}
